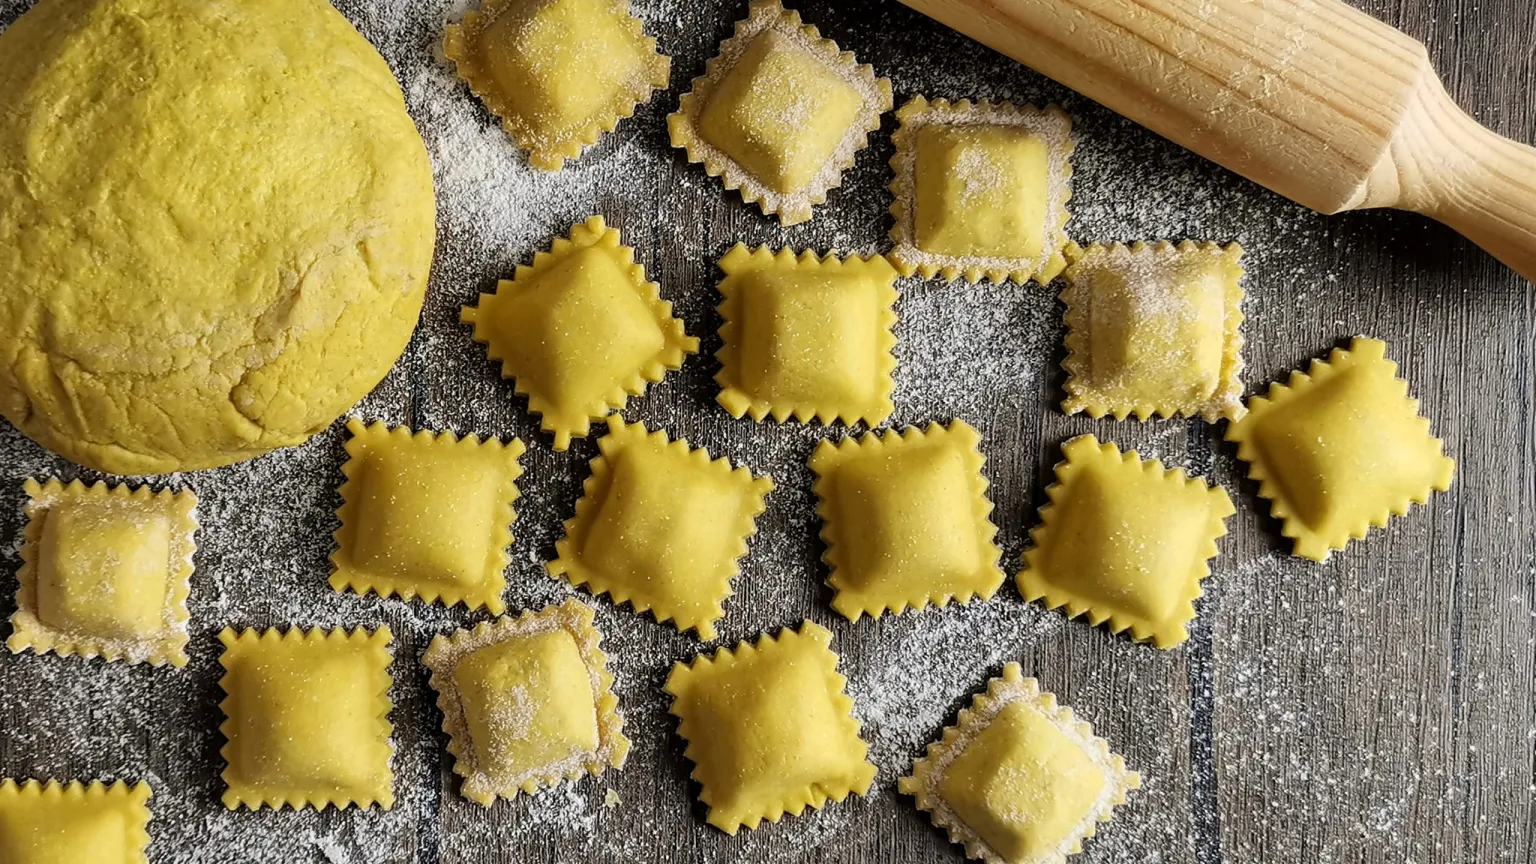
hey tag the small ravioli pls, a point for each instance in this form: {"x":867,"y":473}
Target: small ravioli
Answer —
{"x":1019,"y":779}
{"x":779,"y":113}
{"x":806,"y":337}
{"x":1155,"y":329}
{"x":1340,"y":449}
{"x":980,"y":190}
{"x":769,"y":728}
{"x":559,"y":73}
{"x":74,"y":823}
{"x":105,"y":572}
{"x":580,"y":330}
{"x":661,"y":526}
{"x":426,"y":515}
{"x":905,"y":519}
{"x":1125,"y":541}
{"x":527,"y":702}
{"x":306,"y":718}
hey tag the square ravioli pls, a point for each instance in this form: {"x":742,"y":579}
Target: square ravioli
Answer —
{"x":806,"y":337}
{"x":1019,"y":779}
{"x":527,"y":702}
{"x":1124,"y":540}
{"x":426,"y":514}
{"x":779,"y":113}
{"x":661,"y":526}
{"x":306,"y":718}
{"x":581,"y":330}
{"x":980,"y":190}
{"x":105,"y":572}
{"x":559,"y":73}
{"x":905,"y":519}
{"x":1155,"y":329}
{"x":71,"y":823}
{"x":769,"y":728}
{"x":1340,"y":449}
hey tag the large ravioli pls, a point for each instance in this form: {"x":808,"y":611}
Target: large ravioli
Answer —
{"x":661,"y":526}
{"x":306,"y":718}
{"x":905,"y":518}
{"x":105,"y":572}
{"x":1155,"y":329}
{"x":806,"y":337}
{"x":580,"y":330}
{"x":1124,"y":541}
{"x":426,"y":514}
{"x":980,"y":190}
{"x":779,"y":113}
{"x":1340,"y":449}
{"x":769,"y":728}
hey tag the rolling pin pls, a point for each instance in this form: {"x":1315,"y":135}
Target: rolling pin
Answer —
{"x":1314,"y":99}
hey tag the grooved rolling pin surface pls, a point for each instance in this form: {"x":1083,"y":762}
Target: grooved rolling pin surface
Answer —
{"x":1311,"y":98}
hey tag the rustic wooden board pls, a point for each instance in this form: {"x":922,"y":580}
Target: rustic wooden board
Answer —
{"x":1375,"y":709}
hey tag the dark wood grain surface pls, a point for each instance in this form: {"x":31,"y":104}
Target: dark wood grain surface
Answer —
{"x":1377,"y":708}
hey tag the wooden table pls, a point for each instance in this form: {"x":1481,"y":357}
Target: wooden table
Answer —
{"x":1376,"y":708}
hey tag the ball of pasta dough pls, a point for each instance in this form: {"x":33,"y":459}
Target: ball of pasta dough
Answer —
{"x":216,"y":226}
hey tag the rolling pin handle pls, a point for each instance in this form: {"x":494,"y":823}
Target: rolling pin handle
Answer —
{"x":1455,"y":170}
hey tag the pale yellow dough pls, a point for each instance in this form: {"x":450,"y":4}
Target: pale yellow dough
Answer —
{"x":216,"y":224}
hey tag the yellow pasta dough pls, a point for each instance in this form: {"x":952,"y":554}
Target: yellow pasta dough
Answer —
{"x":216,"y":227}
{"x":559,"y":73}
{"x":1019,"y":779}
{"x":779,"y":113}
{"x":1340,"y":449}
{"x":306,"y":718}
{"x":1155,"y":329}
{"x":769,"y":728}
{"x":980,"y":190}
{"x":74,"y":823}
{"x":580,"y":330}
{"x":905,"y":519}
{"x":426,"y":515}
{"x":661,"y":526}
{"x":105,"y":572}
{"x":806,"y":337}
{"x":527,"y":702}
{"x":1124,"y":541}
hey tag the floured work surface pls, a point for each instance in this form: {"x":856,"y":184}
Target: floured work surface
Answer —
{"x":1375,"y":708}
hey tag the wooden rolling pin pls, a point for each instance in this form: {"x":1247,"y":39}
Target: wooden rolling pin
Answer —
{"x":1311,"y":98}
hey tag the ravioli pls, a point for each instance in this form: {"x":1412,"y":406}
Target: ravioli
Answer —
{"x":980,"y":190}
{"x":580,"y":330}
{"x":1019,"y":779}
{"x":906,"y":520}
{"x":527,"y":702}
{"x":426,"y":514}
{"x":74,"y":822}
{"x":807,"y":336}
{"x":661,"y":526}
{"x":559,"y":73}
{"x":769,"y":728}
{"x":779,"y":113}
{"x":1155,"y":329}
{"x":1124,"y":541}
{"x":1340,"y":449}
{"x":307,"y":718}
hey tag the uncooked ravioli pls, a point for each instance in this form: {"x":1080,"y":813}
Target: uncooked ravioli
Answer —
{"x":216,"y":226}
